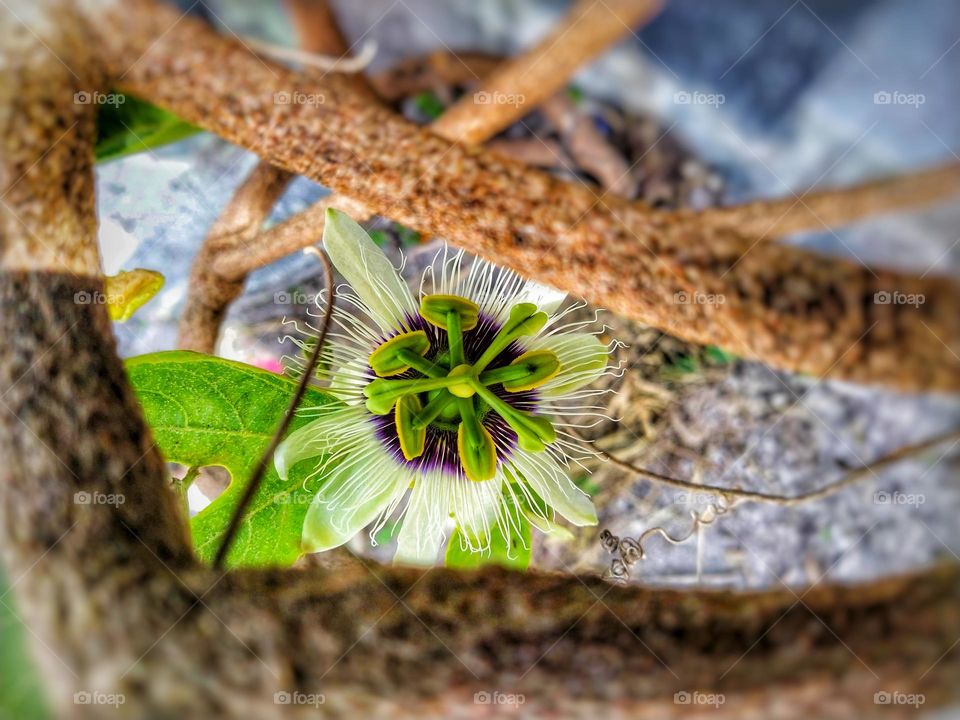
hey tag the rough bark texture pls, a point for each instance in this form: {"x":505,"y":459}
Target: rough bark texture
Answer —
{"x":211,"y":292}
{"x":820,"y":210}
{"x":116,"y":602}
{"x":781,"y":305}
{"x":516,"y":88}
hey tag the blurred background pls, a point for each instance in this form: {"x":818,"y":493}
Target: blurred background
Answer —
{"x":712,"y":102}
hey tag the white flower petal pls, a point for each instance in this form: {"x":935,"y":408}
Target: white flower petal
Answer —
{"x":544,"y":297}
{"x":550,"y":481}
{"x":367,"y":269}
{"x":331,"y":431}
{"x":357,"y":492}
{"x":583,"y":358}
{"x":423,"y":529}
{"x":475,"y":506}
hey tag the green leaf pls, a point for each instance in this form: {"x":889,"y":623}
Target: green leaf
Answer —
{"x":204,"y":410}
{"x":131,"y":125}
{"x":514,"y":554}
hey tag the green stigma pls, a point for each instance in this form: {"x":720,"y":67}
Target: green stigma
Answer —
{"x":455,"y":394}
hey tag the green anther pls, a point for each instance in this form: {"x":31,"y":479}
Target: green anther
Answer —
{"x":478,"y":452}
{"x":533,"y":431}
{"x":435,"y":309}
{"x":383,"y":393}
{"x":541,"y":366}
{"x":386,"y":360}
{"x":412,"y":438}
{"x":465,"y":388}
{"x":524,"y":319}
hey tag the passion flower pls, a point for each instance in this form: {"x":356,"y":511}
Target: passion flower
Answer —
{"x":455,"y":404}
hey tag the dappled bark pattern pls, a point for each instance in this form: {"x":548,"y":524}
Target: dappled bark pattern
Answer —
{"x":116,"y":603}
{"x":113,"y":593}
{"x":791,"y":308}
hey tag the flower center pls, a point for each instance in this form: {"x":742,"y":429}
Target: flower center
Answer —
{"x":450,"y":393}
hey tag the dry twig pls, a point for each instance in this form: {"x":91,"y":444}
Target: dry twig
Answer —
{"x":734,"y":494}
{"x":517,"y":87}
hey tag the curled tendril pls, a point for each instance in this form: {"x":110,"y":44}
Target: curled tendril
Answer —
{"x":631,"y":550}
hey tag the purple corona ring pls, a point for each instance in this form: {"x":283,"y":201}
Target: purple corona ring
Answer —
{"x":453,"y":405}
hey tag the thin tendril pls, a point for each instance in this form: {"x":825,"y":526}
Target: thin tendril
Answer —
{"x":257,"y":477}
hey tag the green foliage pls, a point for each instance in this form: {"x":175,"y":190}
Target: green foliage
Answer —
{"x":134,"y":125}
{"x":205,"y":411}
{"x":575,"y":94}
{"x":408,"y":237}
{"x":20,"y":693}
{"x":719,"y":356}
{"x":514,"y":554}
{"x":429,"y":104}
